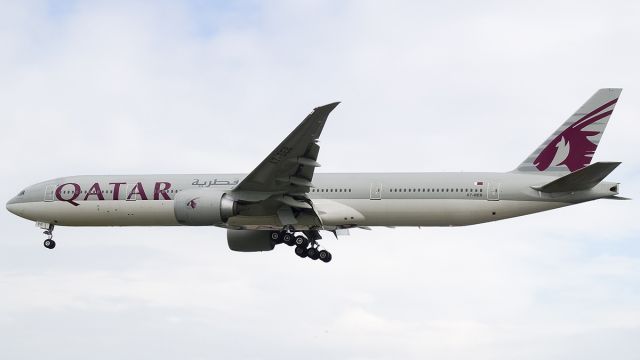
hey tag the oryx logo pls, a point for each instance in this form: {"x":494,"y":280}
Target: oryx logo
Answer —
{"x":572,"y":146}
{"x":192,"y":203}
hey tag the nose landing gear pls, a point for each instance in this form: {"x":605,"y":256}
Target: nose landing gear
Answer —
{"x":49,"y":243}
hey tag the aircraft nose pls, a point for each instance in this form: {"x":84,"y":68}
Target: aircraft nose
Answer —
{"x":12,"y":205}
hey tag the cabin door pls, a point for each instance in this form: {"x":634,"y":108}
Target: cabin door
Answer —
{"x":493,"y":192}
{"x":376,"y":191}
{"x":48,"y":193}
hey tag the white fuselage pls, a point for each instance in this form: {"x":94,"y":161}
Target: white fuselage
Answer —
{"x":340,"y":200}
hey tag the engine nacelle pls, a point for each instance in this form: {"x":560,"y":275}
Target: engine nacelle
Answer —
{"x":250,"y":240}
{"x":201,"y":207}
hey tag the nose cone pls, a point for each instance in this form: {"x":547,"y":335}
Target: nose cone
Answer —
{"x":13,"y":205}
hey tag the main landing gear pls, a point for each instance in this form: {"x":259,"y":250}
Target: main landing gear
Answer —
{"x":303,"y":246}
{"x":49,"y":243}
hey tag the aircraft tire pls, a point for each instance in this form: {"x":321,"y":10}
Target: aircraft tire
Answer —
{"x":276,"y":237}
{"x":312,"y":253}
{"x":301,"y":241}
{"x":301,"y":251}
{"x":288,"y":239}
{"x":324,"y":255}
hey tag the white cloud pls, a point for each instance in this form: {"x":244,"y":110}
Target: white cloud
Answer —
{"x":143,"y":88}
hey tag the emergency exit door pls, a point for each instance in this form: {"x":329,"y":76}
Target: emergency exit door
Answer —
{"x":376,"y":191}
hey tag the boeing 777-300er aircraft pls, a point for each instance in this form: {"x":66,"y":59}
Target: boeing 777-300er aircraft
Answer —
{"x":284,"y":201}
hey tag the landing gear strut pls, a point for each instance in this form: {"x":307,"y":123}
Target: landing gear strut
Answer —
{"x":49,"y":243}
{"x":306,"y":245}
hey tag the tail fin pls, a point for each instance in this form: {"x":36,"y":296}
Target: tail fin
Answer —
{"x":572,"y":146}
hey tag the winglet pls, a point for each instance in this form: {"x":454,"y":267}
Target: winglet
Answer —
{"x":328,"y":107}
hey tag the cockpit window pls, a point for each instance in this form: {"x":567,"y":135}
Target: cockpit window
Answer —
{"x":21,"y":193}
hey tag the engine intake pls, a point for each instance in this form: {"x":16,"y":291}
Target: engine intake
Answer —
{"x":202,"y":207}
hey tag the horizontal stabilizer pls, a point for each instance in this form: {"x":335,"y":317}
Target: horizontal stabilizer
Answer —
{"x":616,"y":197}
{"x":582,"y":179}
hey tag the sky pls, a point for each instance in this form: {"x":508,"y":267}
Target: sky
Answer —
{"x":134,"y":87}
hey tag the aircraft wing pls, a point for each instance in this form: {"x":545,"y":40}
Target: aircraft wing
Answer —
{"x":290,"y":166}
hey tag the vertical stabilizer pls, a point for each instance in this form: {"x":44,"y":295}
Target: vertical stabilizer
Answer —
{"x":572,"y":146}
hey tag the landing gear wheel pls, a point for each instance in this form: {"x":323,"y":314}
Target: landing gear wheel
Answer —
{"x":49,"y":244}
{"x":301,"y":251}
{"x":288,"y":239}
{"x":313,"y":253}
{"x":276,"y":237}
{"x":302,"y":241}
{"x":324,"y":255}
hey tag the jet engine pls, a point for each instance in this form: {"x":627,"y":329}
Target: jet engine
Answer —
{"x":250,"y":240}
{"x":201,"y":207}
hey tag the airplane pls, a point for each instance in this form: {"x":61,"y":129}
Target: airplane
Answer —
{"x":283,"y":200}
